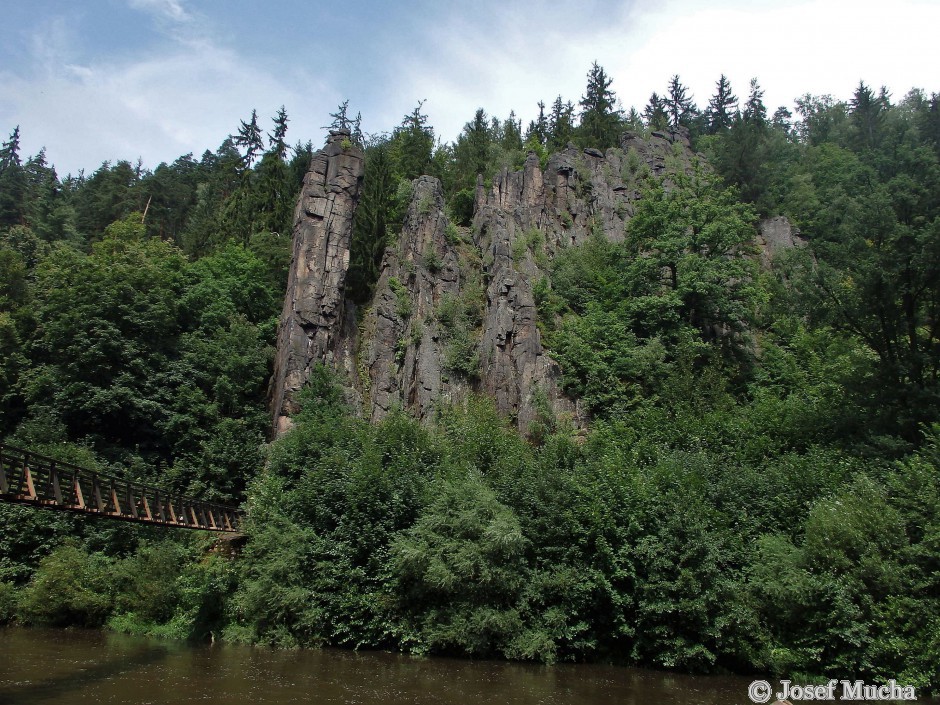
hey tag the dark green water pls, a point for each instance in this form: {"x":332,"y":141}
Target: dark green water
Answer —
{"x":74,"y":667}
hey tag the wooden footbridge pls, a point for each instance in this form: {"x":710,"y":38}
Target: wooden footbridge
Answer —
{"x":35,"y":480}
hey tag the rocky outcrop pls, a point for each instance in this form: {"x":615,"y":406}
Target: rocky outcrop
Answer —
{"x":454,"y":311}
{"x":776,"y":235}
{"x":402,"y":359}
{"x":521,"y":222}
{"x":315,"y":318}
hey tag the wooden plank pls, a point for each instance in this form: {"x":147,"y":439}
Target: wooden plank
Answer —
{"x":77,"y":487}
{"x":30,"y":489}
{"x":130,"y":500}
{"x":38,"y":480}
{"x":161,"y":514}
{"x":54,"y":484}
{"x":117,"y":503}
{"x":96,"y":492}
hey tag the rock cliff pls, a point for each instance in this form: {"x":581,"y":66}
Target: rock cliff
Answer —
{"x":453,"y":310}
{"x":315,"y":311}
{"x":402,"y":357}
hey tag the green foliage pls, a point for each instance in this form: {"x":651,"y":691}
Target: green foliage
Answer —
{"x":600,"y":119}
{"x":462,"y":354}
{"x":382,"y":205}
{"x":7,"y":602}
{"x":758,"y":486}
{"x":70,"y":587}
{"x":459,"y":571}
{"x":461,"y":205}
{"x":431,"y":260}
{"x":680,"y":287}
{"x":402,"y":298}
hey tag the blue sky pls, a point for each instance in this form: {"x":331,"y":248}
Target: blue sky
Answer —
{"x":121,"y":79}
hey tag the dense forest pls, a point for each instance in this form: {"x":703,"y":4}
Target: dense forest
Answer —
{"x":758,"y":489}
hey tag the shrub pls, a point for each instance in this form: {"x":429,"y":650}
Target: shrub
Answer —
{"x":7,"y":602}
{"x":70,"y":587}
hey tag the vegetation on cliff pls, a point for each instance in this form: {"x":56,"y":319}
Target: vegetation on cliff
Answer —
{"x":759,"y":486}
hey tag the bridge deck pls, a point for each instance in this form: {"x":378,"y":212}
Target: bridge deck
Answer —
{"x":32,"y":479}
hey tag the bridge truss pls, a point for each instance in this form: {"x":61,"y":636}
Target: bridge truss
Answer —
{"x":35,"y":480}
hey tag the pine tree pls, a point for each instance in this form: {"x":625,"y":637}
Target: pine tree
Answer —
{"x":413,"y":143}
{"x":340,"y":118}
{"x":929,"y":121}
{"x":249,"y":139}
{"x":721,"y":108}
{"x":512,"y":133}
{"x":679,"y":106}
{"x":560,"y":124}
{"x":276,"y":142}
{"x":655,"y":113}
{"x":13,"y":184}
{"x":633,"y":120}
{"x":743,"y":154}
{"x":868,"y":114}
{"x":355,"y":131}
{"x":472,"y":151}
{"x":370,"y":235}
{"x":782,"y":120}
{"x":755,"y":113}
{"x":600,"y":120}
{"x":538,"y":128}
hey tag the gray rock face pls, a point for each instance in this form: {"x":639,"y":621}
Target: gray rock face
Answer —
{"x":521,"y":222}
{"x":401,"y":358}
{"x":776,"y":235}
{"x":408,"y":348}
{"x":315,"y":311}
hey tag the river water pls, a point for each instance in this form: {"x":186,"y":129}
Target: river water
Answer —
{"x":58,"y":667}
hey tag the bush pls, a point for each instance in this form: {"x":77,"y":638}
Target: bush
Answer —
{"x":7,"y":602}
{"x":70,"y":587}
{"x":460,"y":571}
{"x":461,"y":206}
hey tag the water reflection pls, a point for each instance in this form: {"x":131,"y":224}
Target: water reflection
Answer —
{"x":74,"y":667}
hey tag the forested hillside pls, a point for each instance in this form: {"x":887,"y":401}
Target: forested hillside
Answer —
{"x":750,"y":481}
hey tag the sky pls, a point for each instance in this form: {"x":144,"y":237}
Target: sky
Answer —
{"x":155,"y":79}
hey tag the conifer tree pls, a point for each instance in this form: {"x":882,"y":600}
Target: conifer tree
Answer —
{"x":679,"y":106}
{"x":276,"y":142}
{"x":249,"y":139}
{"x":868,"y":114}
{"x":560,"y":124}
{"x":13,"y":186}
{"x":600,"y":119}
{"x":655,"y":113}
{"x":472,"y":150}
{"x":512,"y":133}
{"x":413,"y":143}
{"x":370,"y":235}
{"x":538,"y":128}
{"x":781,"y":119}
{"x":721,"y":108}
{"x":755,"y":112}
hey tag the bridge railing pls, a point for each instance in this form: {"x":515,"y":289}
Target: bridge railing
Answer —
{"x":30,"y":478}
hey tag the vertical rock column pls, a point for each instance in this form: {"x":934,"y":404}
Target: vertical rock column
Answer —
{"x":515,"y":366}
{"x":403,"y":350}
{"x":314,"y":306}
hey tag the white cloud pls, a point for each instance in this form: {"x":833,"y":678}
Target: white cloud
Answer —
{"x":507,"y":61}
{"x":156,"y":108}
{"x":167,"y":9}
{"x":187,"y":91}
